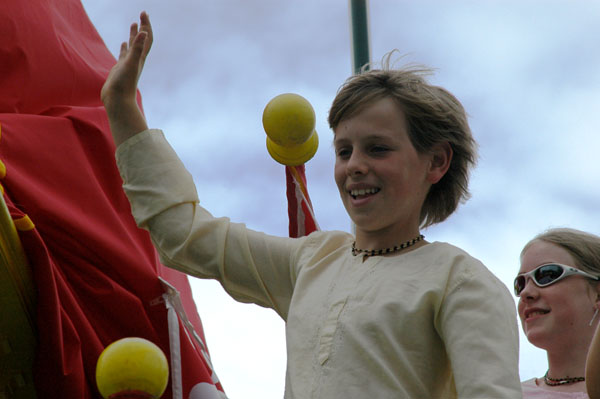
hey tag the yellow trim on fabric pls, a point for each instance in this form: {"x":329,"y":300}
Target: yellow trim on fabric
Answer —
{"x":24,"y":224}
{"x":296,"y":174}
{"x":2,"y":166}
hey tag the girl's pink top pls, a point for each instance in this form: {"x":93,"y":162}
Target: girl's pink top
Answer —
{"x":532,"y":391}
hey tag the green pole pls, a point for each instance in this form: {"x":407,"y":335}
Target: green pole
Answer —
{"x":359,"y":32}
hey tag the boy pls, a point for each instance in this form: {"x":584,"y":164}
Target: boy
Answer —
{"x":382,"y":314}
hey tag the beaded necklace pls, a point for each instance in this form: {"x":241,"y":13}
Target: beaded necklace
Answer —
{"x":384,"y":251}
{"x":561,"y":381}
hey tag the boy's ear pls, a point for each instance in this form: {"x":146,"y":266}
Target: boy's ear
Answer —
{"x":441,"y":156}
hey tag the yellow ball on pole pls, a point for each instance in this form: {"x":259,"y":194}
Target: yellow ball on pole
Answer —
{"x":132,"y":367}
{"x":289,"y":121}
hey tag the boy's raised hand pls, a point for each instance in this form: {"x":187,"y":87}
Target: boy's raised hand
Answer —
{"x":119,"y":91}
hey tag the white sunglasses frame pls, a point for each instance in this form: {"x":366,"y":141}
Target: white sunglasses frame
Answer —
{"x":567,"y":271}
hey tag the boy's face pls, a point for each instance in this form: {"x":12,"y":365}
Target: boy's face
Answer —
{"x":382,"y":179}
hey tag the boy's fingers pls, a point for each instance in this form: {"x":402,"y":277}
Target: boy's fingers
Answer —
{"x":133,"y":31}
{"x":137,"y":48}
{"x":123,"y":50}
{"x":144,"y":19}
{"x":145,"y":26}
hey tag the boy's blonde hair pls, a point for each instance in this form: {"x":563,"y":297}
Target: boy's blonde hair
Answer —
{"x":433,"y":116}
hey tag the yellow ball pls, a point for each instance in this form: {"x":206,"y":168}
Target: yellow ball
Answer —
{"x":132,"y":365}
{"x":294,"y":155}
{"x":289,"y":119}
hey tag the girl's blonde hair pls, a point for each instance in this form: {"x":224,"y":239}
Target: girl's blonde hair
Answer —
{"x":582,"y":246}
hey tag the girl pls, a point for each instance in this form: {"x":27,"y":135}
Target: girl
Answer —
{"x":559,"y":297}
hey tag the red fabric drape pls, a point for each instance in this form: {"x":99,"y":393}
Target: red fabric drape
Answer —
{"x":96,"y":274}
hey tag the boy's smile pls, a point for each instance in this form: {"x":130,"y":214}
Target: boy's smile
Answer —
{"x":360,"y":192}
{"x":382,"y":179}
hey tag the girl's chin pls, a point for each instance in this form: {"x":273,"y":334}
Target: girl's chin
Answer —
{"x":537,"y":338}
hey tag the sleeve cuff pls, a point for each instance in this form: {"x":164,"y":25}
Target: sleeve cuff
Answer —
{"x":154,"y":178}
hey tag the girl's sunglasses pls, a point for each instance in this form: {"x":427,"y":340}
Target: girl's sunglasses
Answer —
{"x":548,"y":274}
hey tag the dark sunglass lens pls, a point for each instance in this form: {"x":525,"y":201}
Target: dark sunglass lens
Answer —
{"x":547,"y":274}
{"x":519,"y":284}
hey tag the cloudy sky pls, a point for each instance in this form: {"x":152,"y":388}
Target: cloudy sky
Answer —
{"x":528,"y":73}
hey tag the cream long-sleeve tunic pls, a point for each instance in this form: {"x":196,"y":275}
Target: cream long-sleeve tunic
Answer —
{"x":429,"y":323}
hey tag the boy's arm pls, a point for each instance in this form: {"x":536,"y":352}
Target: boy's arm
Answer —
{"x":119,"y":91}
{"x":479,"y":328}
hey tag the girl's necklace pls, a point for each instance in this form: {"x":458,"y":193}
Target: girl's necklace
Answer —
{"x":561,"y":381}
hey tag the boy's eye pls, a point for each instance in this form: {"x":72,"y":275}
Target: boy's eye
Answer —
{"x":379,"y":149}
{"x":343,"y":153}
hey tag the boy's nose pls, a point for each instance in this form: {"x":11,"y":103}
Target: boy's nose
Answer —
{"x":357,"y":165}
